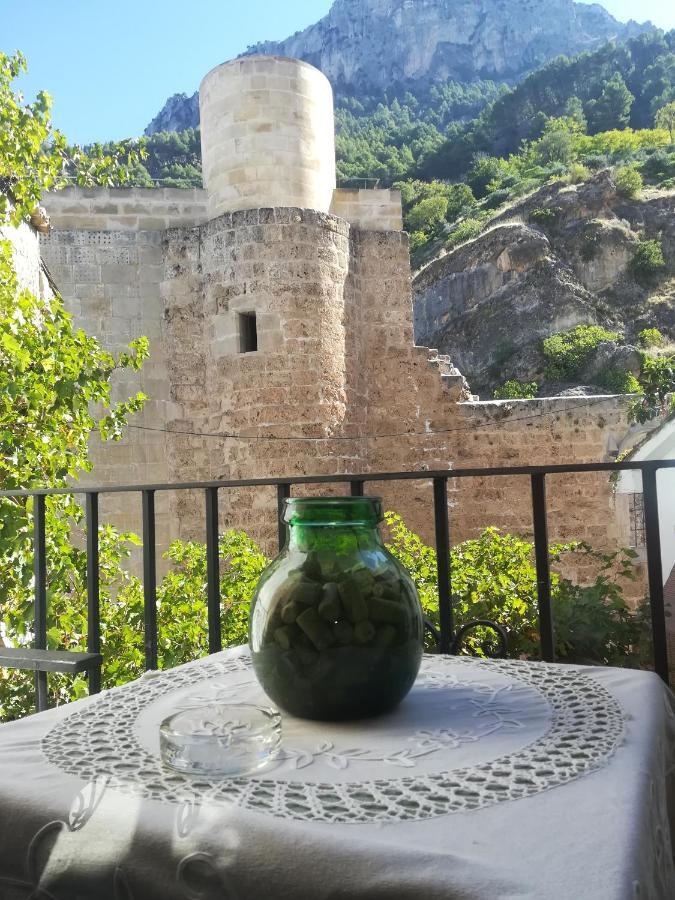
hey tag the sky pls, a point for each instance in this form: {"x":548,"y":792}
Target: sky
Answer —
{"x":110,"y":67}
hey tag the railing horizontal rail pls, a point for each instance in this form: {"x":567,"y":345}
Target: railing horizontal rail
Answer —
{"x":448,"y":637}
{"x":576,"y":468}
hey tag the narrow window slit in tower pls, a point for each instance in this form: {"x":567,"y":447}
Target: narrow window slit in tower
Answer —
{"x":248,"y":333}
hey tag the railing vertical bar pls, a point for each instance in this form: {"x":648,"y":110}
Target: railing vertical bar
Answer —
{"x":283,"y":493}
{"x":40,"y":575}
{"x":213,"y":571}
{"x":655,"y":571}
{"x":357,"y":488}
{"x":93,"y":590}
{"x":541,"y":554}
{"x":149,"y":580}
{"x":442,"y":534}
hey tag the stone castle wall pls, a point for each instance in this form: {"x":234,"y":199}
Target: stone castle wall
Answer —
{"x":377,"y":209}
{"x":336,"y":385}
{"x":106,"y":254}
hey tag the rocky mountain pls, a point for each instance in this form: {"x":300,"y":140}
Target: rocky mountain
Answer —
{"x":372,"y":45}
{"x":565,"y":256}
{"x":369,"y":46}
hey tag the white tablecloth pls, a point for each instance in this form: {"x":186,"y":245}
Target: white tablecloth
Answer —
{"x":491,"y":780}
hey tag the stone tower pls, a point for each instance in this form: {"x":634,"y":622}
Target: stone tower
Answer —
{"x":268,"y":136}
{"x":282,"y":369}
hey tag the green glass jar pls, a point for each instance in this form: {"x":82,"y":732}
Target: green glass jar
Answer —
{"x":336,"y":629}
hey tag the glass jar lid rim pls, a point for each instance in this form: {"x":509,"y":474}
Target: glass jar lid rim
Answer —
{"x":336,"y":510}
{"x":325,"y":501}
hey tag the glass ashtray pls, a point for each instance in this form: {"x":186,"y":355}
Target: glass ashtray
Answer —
{"x":221,"y":739}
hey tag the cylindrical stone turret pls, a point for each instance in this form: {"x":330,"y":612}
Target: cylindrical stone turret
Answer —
{"x":268,"y":135}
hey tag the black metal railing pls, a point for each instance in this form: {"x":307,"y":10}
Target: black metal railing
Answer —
{"x":43,"y":661}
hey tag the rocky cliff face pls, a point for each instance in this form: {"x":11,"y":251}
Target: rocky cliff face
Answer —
{"x":178,"y":113}
{"x":371,"y":45}
{"x":559,"y":259}
{"x":367,"y":46}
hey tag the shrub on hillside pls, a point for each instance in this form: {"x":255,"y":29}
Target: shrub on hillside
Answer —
{"x":497,"y":198}
{"x":567,"y":352}
{"x":577,"y":173}
{"x":648,"y":261}
{"x":517,"y":390}
{"x":628,"y":182}
{"x":650,"y":338}
{"x":659,"y":166}
{"x":418,"y":240}
{"x":618,"y":381}
{"x":486,"y":175}
{"x":545,"y":218}
{"x":595,"y":161}
{"x":465,"y":231}
{"x":590,"y":246}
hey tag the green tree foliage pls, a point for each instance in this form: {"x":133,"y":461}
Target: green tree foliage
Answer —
{"x":494,"y":577}
{"x":556,"y":143}
{"x":385,"y":137}
{"x":466,"y":230}
{"x":35,"y":157}
{"x":665,"y":118}
{"x":574,"y":110}
{"x":172,"y":159}
{"x":565,"y":87}
{"x":659,"y":167}
{"x":428,"y":213}
{"x":612,"y":108}
{"x":657,"y":385}
{"x":427,"y":205}
{"x":52,"y":376}
{"x":619,"y":381}
{"x":567,"y":352}
{"x":487,"y":174}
